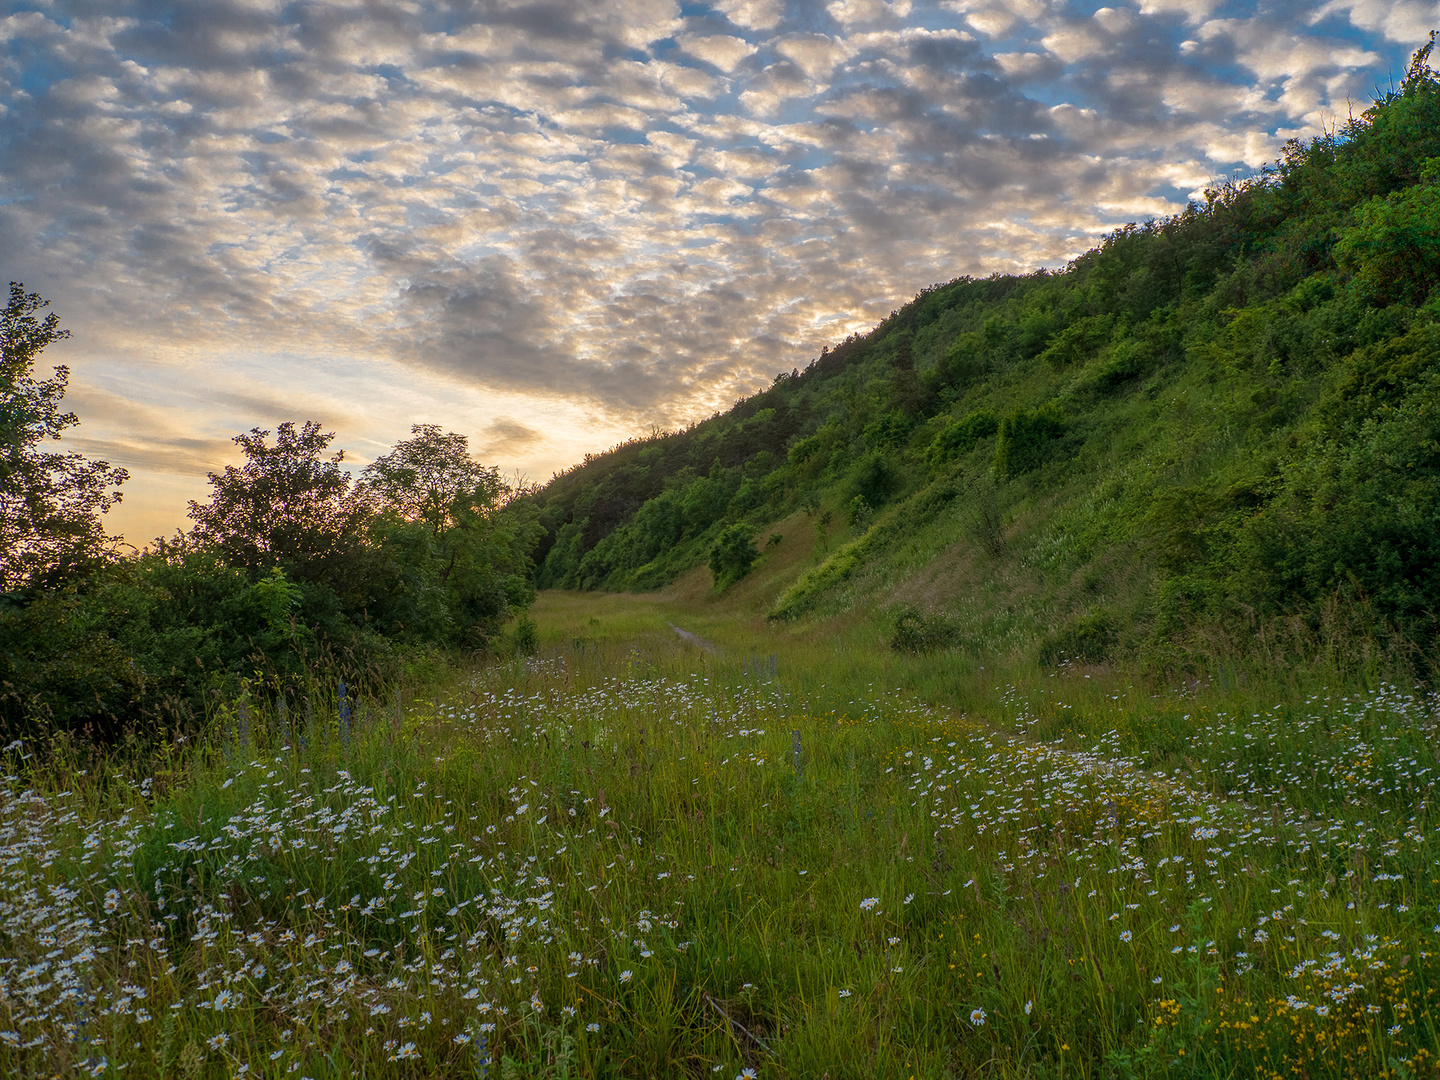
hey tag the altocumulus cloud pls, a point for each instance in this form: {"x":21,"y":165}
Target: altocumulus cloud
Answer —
{"x":637,"y":208}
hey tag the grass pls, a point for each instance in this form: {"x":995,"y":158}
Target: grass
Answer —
{"x":798,"y":854}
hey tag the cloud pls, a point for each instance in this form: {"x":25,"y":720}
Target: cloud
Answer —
{"x":618,"y":213}
{"x":1405,"y":21}
{"x":815,"y":54}
{"x":751,"y":14}
{"x":721,"y":50}
{"x":505,"y":434}
{"x":855,"y":12}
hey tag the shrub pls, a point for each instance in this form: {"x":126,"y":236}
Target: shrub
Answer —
{"x":961,"y":436}
{"x":1089,"y":637}
{"x":527,"y":636}
{"x":1025,"y":438}
{"x":732,"y":555}
{"x":918,"y":633}
{"x":873,"y":479}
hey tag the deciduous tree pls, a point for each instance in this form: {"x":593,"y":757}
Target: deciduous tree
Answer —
{"x":287,"y":505}
{"x":50,"y":502}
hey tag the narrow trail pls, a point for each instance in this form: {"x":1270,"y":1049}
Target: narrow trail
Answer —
{"x":696,"y":640}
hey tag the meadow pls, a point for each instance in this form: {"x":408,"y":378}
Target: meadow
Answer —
{"x":630,"y":856}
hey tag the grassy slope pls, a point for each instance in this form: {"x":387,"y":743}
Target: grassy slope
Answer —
{"x":1224,"y":372}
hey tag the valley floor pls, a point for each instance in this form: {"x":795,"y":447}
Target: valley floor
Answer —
{"x":774,"y":851}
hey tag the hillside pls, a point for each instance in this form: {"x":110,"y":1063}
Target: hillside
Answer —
{"x":1213,"y":434}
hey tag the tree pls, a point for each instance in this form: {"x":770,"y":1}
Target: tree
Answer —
{"x":732,"y":555}
{"x":50,"y":503}
{"x":288,"y":505}
{"x":423,"y":477}
{"x":446,"y":525}
{"x":1394,"y":249}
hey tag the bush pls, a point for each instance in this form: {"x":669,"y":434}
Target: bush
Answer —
{"x":1089,"y":637}
{"x":918,"y":633}
{"x":527,"y":636}
{"x":859,"y":514}
{"x":961,"y":436}
{"x":1393,"y":252}
{"x":732,"y":555}
{"x":873,"y":479}
{"x":1025,"y":439}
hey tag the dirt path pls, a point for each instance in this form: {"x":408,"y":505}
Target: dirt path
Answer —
{"x":696,"y":640}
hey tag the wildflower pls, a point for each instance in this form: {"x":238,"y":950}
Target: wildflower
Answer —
{"x":461,"y":1039}
{"x":893,"y":940}
{"x":592,"y":1027}
{"x":405,"y":1053}
{"x":1125,"y":935}
{"x":112,"y":901}
{"x":844,"y":993}
{"x":626,"y":975}
{"x":218,"y":1042}
{"x":977,"y":1017}
{"x":1028,"y":1006}
{"x":869,"y":903}
{"x":223,"y":1000}
{"x":746,"y":1074}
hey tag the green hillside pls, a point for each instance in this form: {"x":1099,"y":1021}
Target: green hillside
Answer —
{"x":1213,"y":434}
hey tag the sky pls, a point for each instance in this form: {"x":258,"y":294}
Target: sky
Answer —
{"x":552,"y":225}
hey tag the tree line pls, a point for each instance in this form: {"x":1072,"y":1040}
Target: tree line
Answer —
{"x":292,"y":570}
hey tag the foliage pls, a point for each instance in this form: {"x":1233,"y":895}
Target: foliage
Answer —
{"x":1025,"y":438}
{"x":287,"y":505}
{"x":732,"y":555}
{"x":527,"y":637}
{"x":1198,"y":424}
{"x":425,"y":476}
{"x":288,"y":571}
{"x":1087,"y":638}
{"x":916,"y":632}
{"x":1393,"y":249}
{"x":50,"y":503}
{"x":960,"y":436}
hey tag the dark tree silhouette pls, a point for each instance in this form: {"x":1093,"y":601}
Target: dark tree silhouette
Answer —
{"x":50,"y":503}
{"x":288,"y":505}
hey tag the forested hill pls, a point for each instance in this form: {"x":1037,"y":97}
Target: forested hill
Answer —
{"x":1213,"y":426}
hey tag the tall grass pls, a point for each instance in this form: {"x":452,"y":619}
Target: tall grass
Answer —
{"x":633,"y":858}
